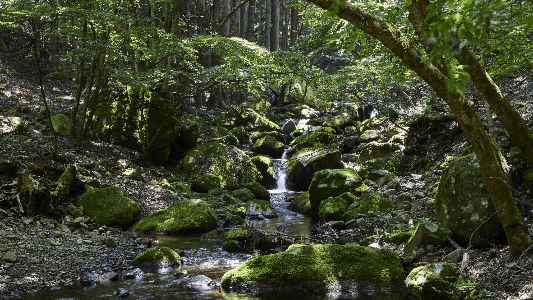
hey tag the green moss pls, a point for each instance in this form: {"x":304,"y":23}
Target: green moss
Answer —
{"x":108,"y":206}
{"x":160,"y":255}
{"x":217,"y":234}
{"x":192,"y":215}
{"x":390,"y":163}
{"x":333,"y":182}
{"x":13,"y":113}
{"x":301,"y":204}
{"x":259,"y":191}
{"x":432,"y":281}
{"x":260,"y":202}
{"x":318,"y":266}
{"x":334,"y":207}
{"x":371,"y":202}
{"x":231,"y":246}
{"x":220,"y":160}
{"x":261,"y":105}
{"x":238,"y":234}
{"x":264,"y":164}
{"x":397,"y":237}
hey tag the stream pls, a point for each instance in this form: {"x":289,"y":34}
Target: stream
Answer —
{"x":201,"y":257}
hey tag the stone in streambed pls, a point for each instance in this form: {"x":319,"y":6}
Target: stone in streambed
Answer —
{"x":319,"y":269}
{"x":187,"y":216}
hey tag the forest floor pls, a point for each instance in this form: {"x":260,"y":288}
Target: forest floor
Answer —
{"x":495,"y":274}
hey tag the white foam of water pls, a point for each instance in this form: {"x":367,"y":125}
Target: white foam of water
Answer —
{"x":281,"y":173}
{"x":303,"y":121}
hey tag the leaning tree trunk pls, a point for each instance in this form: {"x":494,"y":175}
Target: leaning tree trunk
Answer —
{"x":464,"y":109}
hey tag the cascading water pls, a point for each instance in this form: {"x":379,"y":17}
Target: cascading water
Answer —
{"x":281,"y":172}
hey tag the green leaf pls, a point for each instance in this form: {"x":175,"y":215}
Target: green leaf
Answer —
{"x":461,"y":32}
{"x":408,"y":3}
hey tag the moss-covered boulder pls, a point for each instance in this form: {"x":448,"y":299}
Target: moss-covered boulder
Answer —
{"x":61,"y":124}
{"x":339,"y":121}
{"x":218,"y":134}
{"x":301,"y":204}
{"x":157,"y":257}
{"x":265,"y":166}
{"x":332,"y":183}
{"x":193,"y":215}
{"x":304,"y":163}
{"x":268,"y":145}
{"x":261,"y":122}
{"x":374,"y":123}
{"x":256,"y":135}
{"x":320,"y":136}
{"x":240,"y":134}
{"x":375,"y":150}
{"x":464,"y":206}
{"x":333,"y":208}
{"x":261,"y":105}
{"x":109,"y":206}
{"x":243,"y":194}
{"x":166,"y":125}
{"x":228,"y":162}
{"x":231,"y":246}
{"x":260,"y":192}
{"x":204,"y":183}
{"x":390,"y":163}
{"x":319,"y":269}
{"x":432,"y":281}
{"x":369,"y":136}
{"x":369,"y":203}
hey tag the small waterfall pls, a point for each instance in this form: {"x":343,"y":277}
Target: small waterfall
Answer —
{"x":281,"y":172}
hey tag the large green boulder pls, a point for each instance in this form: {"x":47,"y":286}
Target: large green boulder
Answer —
{"x":375,"y":150}
{"x":339,"y":121}
{"x":265,"y":166}
{"x":260,"y":192}
{"x":261,"y":134}
{"x":369,"y":203}
{"x":61,"y":124}
{"x":193,"y":215}
{"x":464,"y":206}
{"x":226,"y":161}
{"x":332,"y":183}
{"x":319,"y":269}
{"x":157,"y":257}
{"x":204,"y":183}
{"x":432,"y":281}
{"x":333,"y":208}
{"x":190,"y":131}
{"x":390,"y":163}
{"x":426,"y":233}
{"x":268,"y":145}
{"x":301,"y":204}
{"x":109,"y":206}
{"x":319,"y":136}
{"x":261,"y":105}
{"x":304,"y":163}
{"x":261,"y":122}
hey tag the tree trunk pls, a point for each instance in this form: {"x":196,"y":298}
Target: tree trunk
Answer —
{"x":294,"y":25}
{"x":464,"y":110}
{"x":237,"y":22}
{"x":244,"y":19}
{"x":225,"y":10}
{"x":81,"y":74}
{"x":274,"y":36}
{"x":250,"y":23}
{"x":268,"y":16}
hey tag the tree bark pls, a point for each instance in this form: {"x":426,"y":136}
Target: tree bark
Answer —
{"x":244,"y":19}
{"x":268,"y":16}
{"x":294,"y":25}
{"x":250,"y":23}
{"x":274,"y":36}
{"x":464,"y":109}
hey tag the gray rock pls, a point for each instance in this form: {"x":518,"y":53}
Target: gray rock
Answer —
{"x":10,"y":257}
{"x":350,"y":142}
{"x":456,"y":257}
{"x":137,"y":272}
{"x":288,"y":127}
{"x":200,"y":283}
{"x":109,"y":242}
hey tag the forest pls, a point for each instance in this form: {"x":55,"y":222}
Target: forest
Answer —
{"x":266,"y":149}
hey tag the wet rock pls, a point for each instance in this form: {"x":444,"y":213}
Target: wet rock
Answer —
{"x":231,"y":246}
{"x":268,"y":145}
{"x":200,"y":283}
{"x":135,"y":273}
{"x":156,"y":258}
{"x":109,"y":276}
{"x":122,"y":293}
{"x":88,"y":278}
{"x":243,"y":194}
{"x":301,"y":204}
